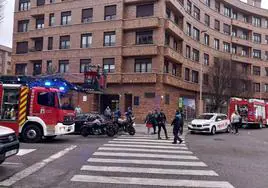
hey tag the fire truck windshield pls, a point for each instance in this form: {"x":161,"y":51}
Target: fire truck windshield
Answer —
{"x":65,"y":102}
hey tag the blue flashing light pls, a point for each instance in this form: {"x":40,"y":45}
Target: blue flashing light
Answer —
{"x":47,"y":83}
{"x":62,"y":88}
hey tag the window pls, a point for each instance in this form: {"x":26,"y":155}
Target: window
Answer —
{"x":40,"y":22}
{"x":195,"y":55}
{"x":266,"y":39}
{"x":245,"y":18}
{"x":227,"y":29}
{"x":149,"y":95}
{"x":227,"y":11}
{"x":234,"y":32}
{"x":217,"y":6}
{"x":65,"y":42}
{"x":108,"y":65}
{"x":10,"y":105}
{"x":84,"y":63}
{"x":143,"y":65}
{"x":24,"y":5}
{"x":50,"y":43}
{"x":266,"y":88}
{"x":167,"y":39}
{"x":207,"y":20}
{"x":266,"y":23}
{"x":168,"y":13}
{"x":46,"y":99}
{"x":195,"y":75}
{"x":187,"y":74}
{"x":63,"y":66}
{"x":144,"y":37}
{"x":175,"y":45}
{"x":217,"y":25}
{"x":234,"y":15}
{"x":22,"y":47}
{"x":206,"y":39}
{"x":167,"y":97}
{"x":145,"y":10}
{"x":189,"y":29}
{"x":86,"y":40}
{"x":217,"y":44}
{"x":205,"y":79}
{"x":266,"y":55}
{"x":196,"y":13}
{"x":40,"y":2}
{"x":49,"y":67}
{"x":244,"y":35}
{"x":207,"y":2}
{"x":37,"y":68}
{"x":257,"y":54}
{"x":206,"y":59}
{"x":196,"y":34}
{"x":176,"y":19}
{"x":188,"y":52}
{"x":176,"y":70}
{"x":66,"y":18}
{"x":38,"y":44}
{"x":166,"y":66}
{"x":226,"y":47}
{"x":257,"y":87}
{"x":23,"y":25}
{"x":256,"y":21}
{"x":21,"y":69}
{"x":87,"y":15}
{"x":109,"y":38}
{"x":189,"y":7}
{"x":266,"y":71}
{"x":257,"y":38}
{"x":52,"y":1}
{"x":244,"y":52}
{"x":256,"y":70}
{"x":234,"y":49}
{"x":136,"y":100}
{"x":110,"y":12}
{"x":51,"y":19}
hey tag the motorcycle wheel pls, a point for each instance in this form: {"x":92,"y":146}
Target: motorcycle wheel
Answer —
{"x":84,"y":132}
{"x":110,"y":131}
{"x":131,"y":131}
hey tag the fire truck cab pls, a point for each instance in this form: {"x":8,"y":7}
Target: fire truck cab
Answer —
{"x":34,"y":113}
{"x":252,"y":111}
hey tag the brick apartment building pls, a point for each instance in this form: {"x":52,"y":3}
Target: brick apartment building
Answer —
{"x":153,"y":50}
{"x":5,"y":60}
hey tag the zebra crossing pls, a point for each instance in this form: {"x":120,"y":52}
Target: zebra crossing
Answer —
{"x":146,"y":161}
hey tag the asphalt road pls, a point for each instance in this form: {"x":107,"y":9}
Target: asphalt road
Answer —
{"x":240,"y":159}
{"x":141,"y":161}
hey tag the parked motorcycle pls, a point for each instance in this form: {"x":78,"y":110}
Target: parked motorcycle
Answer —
{"x":98,"y":126}
{"x":125,"y":125}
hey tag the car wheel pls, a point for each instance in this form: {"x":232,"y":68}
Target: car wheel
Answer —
{"x":213,"y":130}
{"x":32,"y":134}
{"x":84,"y":132}
{"x":229,"y":129}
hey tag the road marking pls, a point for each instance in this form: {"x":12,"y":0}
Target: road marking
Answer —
{"x":143,"y":140}
{"x":149,"y":170}
{"x":149,"y":162}
{"x":25,"y":151}
{"x":146,"y":146}
{"x":144,"y":150}
{"x":146,"y":155}
{"x":9,"y":163}
{"x":151,"y":181}
{"x":34,"y":168}
{"x":145,"y":143}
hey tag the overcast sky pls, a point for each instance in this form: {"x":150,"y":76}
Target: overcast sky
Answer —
{"x":6,"y":27}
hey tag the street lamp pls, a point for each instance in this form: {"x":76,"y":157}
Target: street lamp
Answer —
{"x":201,"y":103}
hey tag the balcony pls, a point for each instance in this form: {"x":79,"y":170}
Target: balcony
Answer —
{"x":169,"y":25}
{"x":135,"y":78}
{"x":114,"y":78}
{"x":179,"y":82}
{"x":148,"y":22}
{"x":239,"y":58}
{"x":242,"y":24}
{"x":174,"y":55}
{"x":140,"y":50}
{"x":241,"y":41}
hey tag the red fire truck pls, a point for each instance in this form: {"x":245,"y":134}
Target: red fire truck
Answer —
{"x":253,"y":111}
{"x":34,"y":113}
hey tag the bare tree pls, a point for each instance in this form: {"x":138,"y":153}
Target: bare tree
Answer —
{"x":2,"y":3}
{"x":227,"y":79}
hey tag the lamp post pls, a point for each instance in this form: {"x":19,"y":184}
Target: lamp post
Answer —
{"x":201,"y":103}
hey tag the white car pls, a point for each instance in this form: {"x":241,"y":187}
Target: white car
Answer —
{"x":210,"y":123}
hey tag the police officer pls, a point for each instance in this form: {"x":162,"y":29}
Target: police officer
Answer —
{"x":177,"y":127}
{"x":161,"y":120}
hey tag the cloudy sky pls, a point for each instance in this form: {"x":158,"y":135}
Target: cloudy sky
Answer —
{"x":6,"y":26}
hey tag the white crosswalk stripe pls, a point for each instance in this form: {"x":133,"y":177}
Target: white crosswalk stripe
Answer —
{"x":25,"y":151}
{"x":140,"y":155}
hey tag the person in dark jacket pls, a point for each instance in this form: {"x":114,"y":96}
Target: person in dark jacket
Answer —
{"x":148,"y":122}
{"x":177,"y":127}
{"x":154,"y":120}
{"x":161,"y":120}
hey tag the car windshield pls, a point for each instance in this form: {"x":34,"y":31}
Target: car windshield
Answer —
{"x":205,"y":116}
{"x":65,"y":102}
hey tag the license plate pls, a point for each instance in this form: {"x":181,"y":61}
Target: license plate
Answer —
{"x":11,"y":152}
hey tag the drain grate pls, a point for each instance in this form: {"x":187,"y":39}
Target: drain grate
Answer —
{"x":218,"y":139}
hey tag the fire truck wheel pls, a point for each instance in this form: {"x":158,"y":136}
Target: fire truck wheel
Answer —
{"x":213,"y":130}
{"x":32,"y":134}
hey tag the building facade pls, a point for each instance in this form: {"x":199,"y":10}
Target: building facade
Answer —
{"x":153,"y":50}
{"x":5,"y":60}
